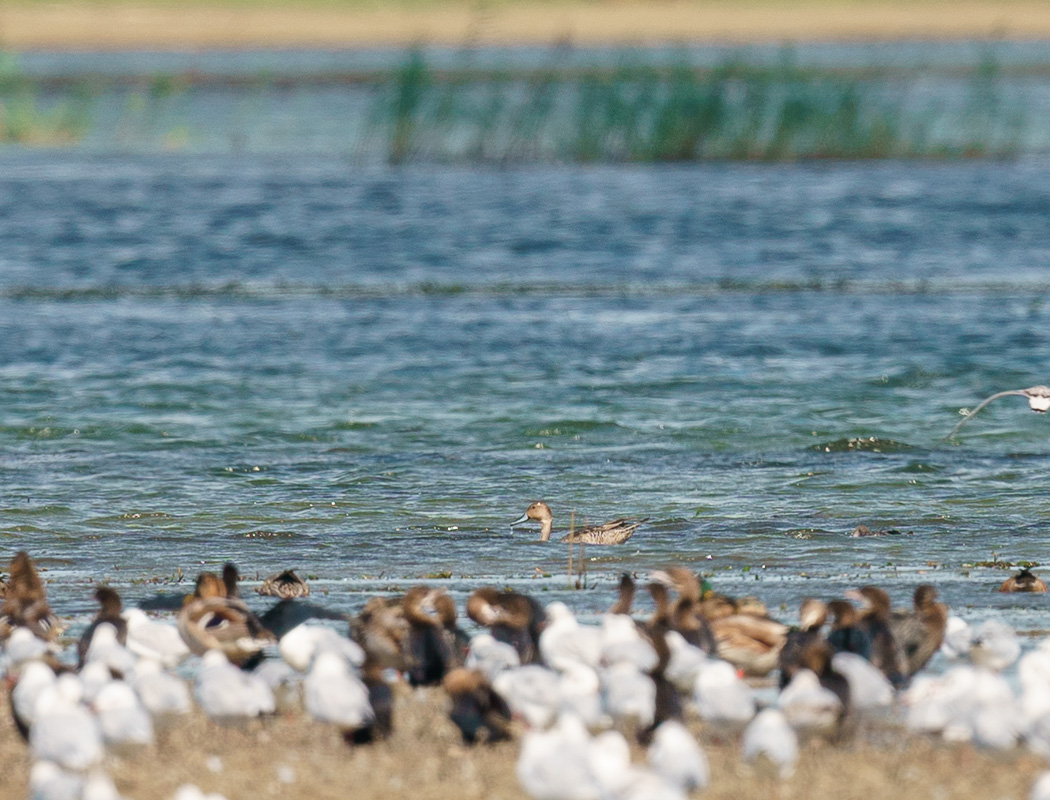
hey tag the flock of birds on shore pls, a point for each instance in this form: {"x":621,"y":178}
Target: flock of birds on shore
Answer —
{"x":573,"y":694}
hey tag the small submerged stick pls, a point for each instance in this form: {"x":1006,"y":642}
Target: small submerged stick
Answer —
{"x":1038,"y":401}
{"x":572,"y":531}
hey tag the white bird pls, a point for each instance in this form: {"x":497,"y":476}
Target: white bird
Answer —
{"x":994,"y":645}
{"x":1041,"y":788}
{"x":621,"y":642}
{"x":106,"y":649}
{"x":491,"y":657}
{"x":675,"y":755}
{"x":1038,"y":401}
{"x":48,"y":781}
{"x":770,"y":737}
{"x":161,"y":692}
{"x":957,"y":637}
{"x":580,"y":693}
{"x":223,"y":691}
{"x":721,"y":696}
{"x":553,"y":764}
{"x":64,"y":731}
{"x":807,"y":706}
{"x":686,"y":662}
{"x":150,"y":638}
{"x":302,"y":643}
{"x":565,"y":639}
{"x":122,"y":717}
{"x":35,"y":678}
{"x":532,"y":692}
{"x":99,"y":786}
{"x":629,"y":695}
{"x":93,"y":677}
{"x":333,"y":693}
{"x":868,"y":687}
{"x":22,"y":646}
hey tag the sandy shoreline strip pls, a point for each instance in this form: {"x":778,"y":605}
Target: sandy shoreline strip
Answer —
{"x":127,"y":26}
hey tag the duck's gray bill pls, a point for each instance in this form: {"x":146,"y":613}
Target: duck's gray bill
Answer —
{"x":524,"y":518}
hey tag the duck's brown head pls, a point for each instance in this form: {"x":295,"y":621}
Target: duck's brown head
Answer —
{"x":209,"y":585}
{"x":843,"y":614}
{"x":538,"y":511}
{"x":874,"y":602}
{"x":109,"y":600}
{"x":925,"y":596}
{"x":812,"y":614}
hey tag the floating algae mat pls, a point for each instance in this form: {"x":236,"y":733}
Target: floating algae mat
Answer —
{"x":558,"y":105}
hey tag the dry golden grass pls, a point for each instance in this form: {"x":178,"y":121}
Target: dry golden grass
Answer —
{"x":189,"y":23}
{"x":425,"y":760}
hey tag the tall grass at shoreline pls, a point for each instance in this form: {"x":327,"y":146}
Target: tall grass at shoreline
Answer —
{"x":641,"y":113}
{"x":637,"y":111}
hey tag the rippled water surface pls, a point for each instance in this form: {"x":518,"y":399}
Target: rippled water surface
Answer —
{"x":366,"y":375}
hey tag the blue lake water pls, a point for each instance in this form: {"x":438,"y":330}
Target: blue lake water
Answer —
{"x":367,"y":373}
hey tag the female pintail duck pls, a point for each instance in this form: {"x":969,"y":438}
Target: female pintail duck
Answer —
{"x":1023,"y":581}
{"x":920,"y":631}
{"x":286,"y":585}
{"x":25,"y":602}
{"x":616,"y":532}
{"x":1038,"y":401}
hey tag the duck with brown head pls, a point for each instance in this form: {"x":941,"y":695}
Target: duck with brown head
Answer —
{"x":617,"y":531}
{"x":874,"y":620}
{"x":919,"y":631}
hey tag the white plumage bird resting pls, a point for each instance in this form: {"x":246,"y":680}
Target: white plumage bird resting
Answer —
{"x":676,"y":755}
{"x":770,"y":737}
{"x":223,"y":690}
{"x":150,"y":638}
{"x":64,"y":731}
{"x":333,"y":693}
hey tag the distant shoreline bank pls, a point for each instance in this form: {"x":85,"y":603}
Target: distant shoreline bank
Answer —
{"x":119,"y":26}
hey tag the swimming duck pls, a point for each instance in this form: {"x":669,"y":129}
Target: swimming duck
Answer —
{"x":812,"y":614}
{"x":435,"y":642}
{"x":286,"y":585}
{"x":110,"y":611}
{"x":511,"y":617}
{"x":920,"y":631}
{"x":1023,"y":581}
{"x":25,"y":603}
{"x":617,"y":531}
{"x":1038,"y":401}
{"x":875,"y":622}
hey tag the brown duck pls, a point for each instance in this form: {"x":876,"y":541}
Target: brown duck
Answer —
{"x":617,"y":531}
{"x":920,"y":631}
{"x":1023,"y":581}
{"x":25,"y":602}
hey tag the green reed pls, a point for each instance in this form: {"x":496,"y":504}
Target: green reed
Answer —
{"x":30,"y":116}
{"x":643,"y":113}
